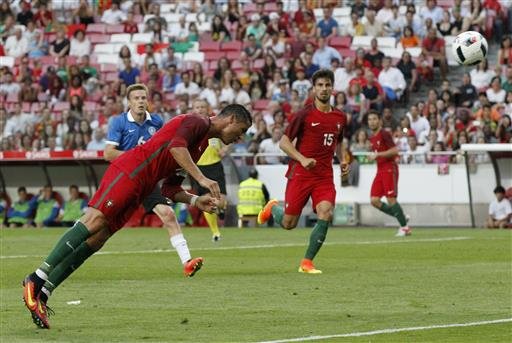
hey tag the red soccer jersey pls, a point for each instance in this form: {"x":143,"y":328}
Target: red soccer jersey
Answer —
{"x":317,"y":135}
{"x":152,"y":161}
{"x":383,"y":141}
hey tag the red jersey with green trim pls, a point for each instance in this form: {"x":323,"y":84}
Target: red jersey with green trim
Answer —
{"x":383,"y":141}
{"x":152,"y":161}
{"x":317,"y":135}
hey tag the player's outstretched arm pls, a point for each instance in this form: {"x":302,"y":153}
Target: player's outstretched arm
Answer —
{"x":205,"y":202}
{"x":110,"y":153}
{"x":183,"y":158}
{"x":287,"y":146}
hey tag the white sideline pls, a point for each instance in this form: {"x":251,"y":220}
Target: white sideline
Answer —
{"x":384,"y":331}
{"x":261,"y":246}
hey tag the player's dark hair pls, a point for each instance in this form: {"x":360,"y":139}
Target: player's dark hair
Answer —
{"x":240,"y":112}
{"x":323,"y":74}
{"x":135,"y":87}
{"x":499,"y":189}
{"x":22,"y":189}
{"x":374,"y":112}
{"x":73,"y":187}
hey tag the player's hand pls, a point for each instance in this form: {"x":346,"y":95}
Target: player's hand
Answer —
{"x":308,"y":163}
{"x":207,"y":203}
{"x":372,"y":156}
{"x":210,"y":185}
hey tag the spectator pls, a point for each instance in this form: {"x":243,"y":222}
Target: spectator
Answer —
{"x":17,"y":121}
{"x":504,"y":129}
{"x":467,"y":93}
{"x":253,"y":50}
{"x":445,"y":26}
{"x":206,"y":11}
{"x":436,"y":157}
{"x":256,"y":28}
{"x":299,"y":15}
{"x":392,"y":80}
{"x":86,"y":70}
{"x":361,"y":144}
{"x":5,"y":11}
{"x":274,"y":46}
{"x":500,"y":210}
{"x":47,"y":208}
{"x":271,"y":146}
{"x":408,"y":69}
{"x":281,"y":93}
{"x":414,"y":154}
{"x":84,"y":14}
{"x":307,"y":26}
{"x":219,"y":31}
{"x":358,"y":7}
{"x":186,"y":86}
{"x":155,"y":17}
{"x":356,"y":28}
{"x":35,"y":39}
{"x":374,"y":53}
{"x":241,"y":96}
{"x":435,"y":47}
{"x":257,"y":86}
{"x":169,"y":58}
{"x":113,"y":15}
{"x":328,"y":26}
{"x":495,"y":94}
{"x":260,"y":11}
{"x":311,"y":67}
{"x":373,"y":27}
{"x":8,"y":86}
{"x":60,"y":46}
{"x":432,"y":11}
{"x":409,"y":39}
{"x":507,"y":84}
{"x":129,"y":75}
{"x":324,"y":54}
{"x":222,"y":65}
{"x":170,"y":79}
{"x":457,"y":21}
{"x":25,"y":15}
{"x":505,"y":52}
{"x":43,"y":17}
{"x":301,"y":85}
{"x":27,"y":92}
{"x":394,"y":25}
{"x":284,"y":18}
{"x":80,"y":45}
{"x":385,"y":14}
{"x":19,"y":213}
{"x":129,"y":25}
{"x":342,"y":76}
{"x":373,"y":92}
{"x":481,"y":76}
{"x":179,"y":33}
{"x":73,"y":209}
{"x":16,"y":45}
{"x":241,"y":29}
{"x":477,"y":17}
{"x":414,"y":23}
{"x":418,"y":123}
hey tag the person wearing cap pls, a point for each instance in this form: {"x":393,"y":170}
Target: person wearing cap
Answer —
{"x":500,"y":210}
{"x":256,"y":28}
{"x":252,"y":195}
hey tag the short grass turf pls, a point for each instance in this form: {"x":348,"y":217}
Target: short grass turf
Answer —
{"x":249,"y":289}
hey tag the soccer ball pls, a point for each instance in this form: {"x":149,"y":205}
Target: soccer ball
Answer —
{"x":469,"y":48}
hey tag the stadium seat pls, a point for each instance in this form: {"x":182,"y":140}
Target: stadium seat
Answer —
{"x":42,"y":97}
{"x":111,"y":77}
{"x":12,"y":98}
{"x":205,"y":26}
{"x":98,"y":38}
{"x":319,"y":13}
{"x":120,"y":38}
{"x":172,"y":18}
{"x":36,"y":107}
{"x":236,"y":65}
{"x":167,"y":8}
{"x":108,"y":58}
{"x":340,"y":42}
{"x":61,"y":106}
{"x":341,"y":11}
{"x":72,"y":28}
{"x":104,"y":49}
{"x":233,"y":55}
{"x":26,"y":106}
{"x":90,"y":106}
{"x":392,"y":52}
{"x":386,"y":42}
{"x":142,"y":38}
{"x":361,"y":42}
{"x":258,"y":64}
{"x":108,"y":67}
{"x":231,"y":46}
{"x":138,"y":18}
{"x":194,"y":56}
{"x":191,"y":18}
{"x":415,"y":52}
{"x":270,"y":7}
{"x":7,"y":61}
{"x":96,"y":28}
{"x":344,"y":52}
{"x":115,"y":29}
{"x":209,"y":46}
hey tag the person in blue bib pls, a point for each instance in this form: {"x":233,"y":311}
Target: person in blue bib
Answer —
{"x":135,"y":127}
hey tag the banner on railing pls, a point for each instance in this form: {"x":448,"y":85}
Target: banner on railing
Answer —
{"x":51,"y":155}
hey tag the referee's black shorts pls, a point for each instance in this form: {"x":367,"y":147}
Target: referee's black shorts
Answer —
{"x":214,"y":172}
{"x":154,"y":199}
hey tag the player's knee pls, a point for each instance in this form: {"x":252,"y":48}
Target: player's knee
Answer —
{"x":325,"y":214}
{"x":288,"y":224}
{"x":167,"y":216}
{"x":99,"y":239}
{"x":375,"y":202}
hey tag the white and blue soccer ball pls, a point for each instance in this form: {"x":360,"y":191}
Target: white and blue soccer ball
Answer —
{"x":469,"y":48}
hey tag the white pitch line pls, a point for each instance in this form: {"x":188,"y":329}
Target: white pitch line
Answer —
{"x":260,"y":246}
{"x":385,"y":331}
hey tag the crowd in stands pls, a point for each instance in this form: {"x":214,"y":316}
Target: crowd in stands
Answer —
{"x":67,"y":63}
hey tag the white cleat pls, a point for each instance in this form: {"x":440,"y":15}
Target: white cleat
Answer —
{"x":403,"y":231}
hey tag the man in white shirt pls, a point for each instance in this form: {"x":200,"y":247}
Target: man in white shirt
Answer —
{"x":432,"y":11}
{"x":385,"y":14}
{"x":342,"y":76}
{"x":241,"y":96}
{"x":187,"y":87}
{"x":18,"y":121}
{"x":392,"y":80}
{"x":113,"y":15}
{"x":8,"y":86}
{"x":324,"y":54}
{"x":414,"y":154}
{"x":179,"y":32}
{"x":372,"y":26}
{"x":98,"y":142}
{"x":271,"y":146}
{"x":16,"y":45}
{"x":209,"y":94}
{"x":419,"y":124}
{"x":500,"y":210}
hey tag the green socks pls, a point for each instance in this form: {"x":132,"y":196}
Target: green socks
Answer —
{"x":317,"y":238}
{"x":68,"y":266}
{"x":394,"y":211}
{"x":278,"y":214}
{"x":68,"y":243}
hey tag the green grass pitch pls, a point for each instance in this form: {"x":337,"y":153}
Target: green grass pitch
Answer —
{"x":249,"y":289}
